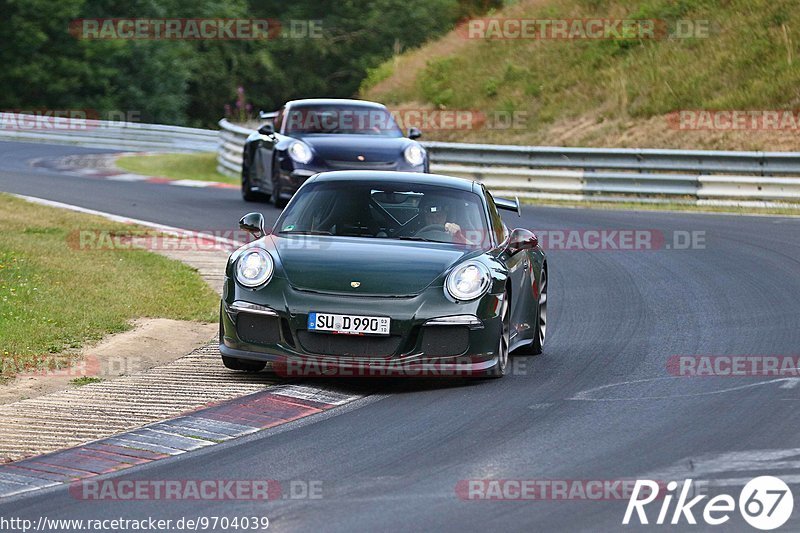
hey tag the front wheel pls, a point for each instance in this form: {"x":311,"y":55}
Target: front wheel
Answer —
{"x":248,"y":195}
{"x":534,"y":347}
{"x":500,"y":368}
{"x":541,"y":323}
{"x":277,"y":192}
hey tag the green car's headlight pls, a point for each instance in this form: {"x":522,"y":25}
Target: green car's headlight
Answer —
{"x":254,"y":267}
{"x":468,"y":281}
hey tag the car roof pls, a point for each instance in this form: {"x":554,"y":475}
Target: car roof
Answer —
{"x":336,"y":101}
{"x":385,"y":176}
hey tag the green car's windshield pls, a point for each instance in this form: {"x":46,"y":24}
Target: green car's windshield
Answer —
{"x":405,"y":211}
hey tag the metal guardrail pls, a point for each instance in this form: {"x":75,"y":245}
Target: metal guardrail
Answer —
{"x":130,"y":136}
{"x":753,"y":179}
{"x":231,"y":146}
{"x":748,"y":179}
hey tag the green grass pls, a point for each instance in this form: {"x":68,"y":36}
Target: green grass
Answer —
{"x":750,"y":60}
{"x":55,"y":297}
{"x":202,"y":167}
{"x":84,"y":380}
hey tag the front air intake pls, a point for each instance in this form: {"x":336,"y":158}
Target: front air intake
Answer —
{"x":258,"y":329}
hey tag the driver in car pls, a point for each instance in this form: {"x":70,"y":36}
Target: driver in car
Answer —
{"x":435,"y":215}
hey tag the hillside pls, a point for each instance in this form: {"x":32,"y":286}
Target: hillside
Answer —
{"x":615,"y":92}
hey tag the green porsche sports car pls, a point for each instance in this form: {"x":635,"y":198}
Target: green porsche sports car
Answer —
{"x":370,"y":273}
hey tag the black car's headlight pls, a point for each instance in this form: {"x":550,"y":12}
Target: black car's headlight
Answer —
{"x":414,"y":155}
{"x":300,"y":152}
{"x":254,"y":267}
{"x":468,"y":281}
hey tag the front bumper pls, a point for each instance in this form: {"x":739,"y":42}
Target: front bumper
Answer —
{"x":429,"y":334}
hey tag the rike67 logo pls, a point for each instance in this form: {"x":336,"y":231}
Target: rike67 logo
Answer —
{"x":765,"y":503}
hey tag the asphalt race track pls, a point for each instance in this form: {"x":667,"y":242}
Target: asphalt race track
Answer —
{"x":599,"y":404}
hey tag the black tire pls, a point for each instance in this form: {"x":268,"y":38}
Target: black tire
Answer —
{"x":243,"y":365}
{"x":277,"y":200}
{"x":537,"y":344}
{"x":499,"y":370}
{"x":248,"y":195}
{"x":534,"y":347}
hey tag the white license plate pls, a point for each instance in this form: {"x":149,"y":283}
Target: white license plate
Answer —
{"x":348,"y":324}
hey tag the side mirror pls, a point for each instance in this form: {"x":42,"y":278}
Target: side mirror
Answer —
{"x":522,"y":239}
{"x":414,"y":133}
{"x":253,"y":223}
{"x":267,"y":129}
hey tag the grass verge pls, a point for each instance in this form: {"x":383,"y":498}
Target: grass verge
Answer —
{"x":55,"y":297}
{"x":202,"y":167}
{"x":84,"y":380}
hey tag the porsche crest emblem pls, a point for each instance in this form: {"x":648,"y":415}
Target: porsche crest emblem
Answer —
{"x":355,"y":284}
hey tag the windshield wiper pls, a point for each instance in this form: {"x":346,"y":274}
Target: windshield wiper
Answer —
{"x":411,"y":238}
{"x":306,"y":232}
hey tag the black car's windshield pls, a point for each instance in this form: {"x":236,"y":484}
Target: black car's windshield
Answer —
{"x":342,"y":119}
{"x":405,"y":211}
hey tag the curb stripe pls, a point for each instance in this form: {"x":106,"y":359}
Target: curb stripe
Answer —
{"x":126,"y":177}
{"x":62,"y":165}
{"x":201,"y":428}
{"x":141,"y":455}
{"x":40,"y":474}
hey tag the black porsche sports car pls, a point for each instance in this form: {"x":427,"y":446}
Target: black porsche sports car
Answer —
{"x":377,"y":273}
{"x":315,"y":135}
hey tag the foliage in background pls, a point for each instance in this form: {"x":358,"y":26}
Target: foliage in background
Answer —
{"x":750,"y":60}
{"x":190,"y":82}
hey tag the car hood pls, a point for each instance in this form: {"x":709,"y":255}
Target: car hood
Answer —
{"x":373,"y":148}
{"x":380,"y":266}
